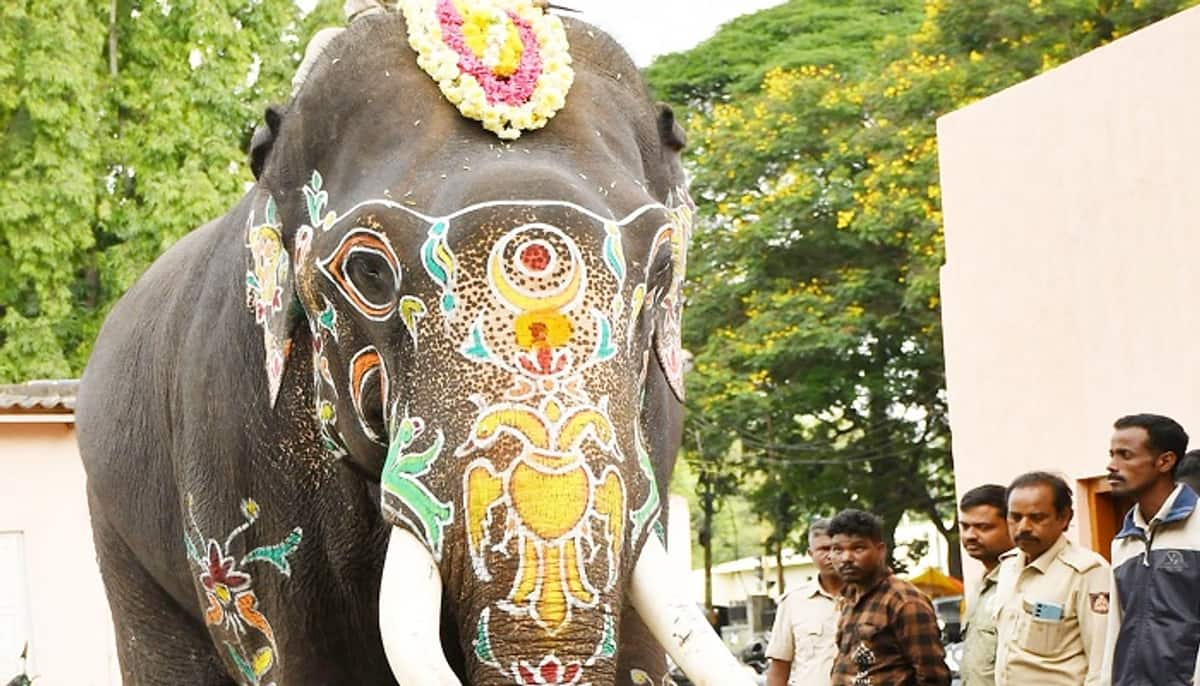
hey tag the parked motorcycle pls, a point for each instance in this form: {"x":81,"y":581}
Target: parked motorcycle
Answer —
{"x":754,"y":655}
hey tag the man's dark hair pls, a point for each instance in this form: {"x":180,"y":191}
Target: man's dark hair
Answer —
{"x":1166,"y":435}
{"x":1062,"y":492}
{"x":1188,"y":470}
{"x":818,"y":526}
{"x":857,"y":523}
{"x":987,"y":494}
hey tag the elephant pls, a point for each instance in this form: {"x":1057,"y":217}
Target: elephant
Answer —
{"x":407,"y":413}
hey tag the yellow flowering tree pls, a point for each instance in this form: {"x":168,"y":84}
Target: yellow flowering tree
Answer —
{"x":813,"y":310}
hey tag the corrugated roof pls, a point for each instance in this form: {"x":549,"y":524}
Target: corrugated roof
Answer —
{"x":53,"y":395}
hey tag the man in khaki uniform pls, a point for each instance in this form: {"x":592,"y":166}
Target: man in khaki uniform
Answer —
{"x":983,"y":530}
{"x":1053,"y":594}
{"x":804,"y":639}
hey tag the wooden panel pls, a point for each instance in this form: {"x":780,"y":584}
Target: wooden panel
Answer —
{"x":1105,"y":513}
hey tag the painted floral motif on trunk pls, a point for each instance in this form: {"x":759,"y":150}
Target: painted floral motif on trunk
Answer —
{"x":231,"y":603}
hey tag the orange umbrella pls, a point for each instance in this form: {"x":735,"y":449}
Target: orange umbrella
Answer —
{"x":936,"y":584}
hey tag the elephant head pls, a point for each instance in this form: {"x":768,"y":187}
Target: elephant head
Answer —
{"x":487,"y":327}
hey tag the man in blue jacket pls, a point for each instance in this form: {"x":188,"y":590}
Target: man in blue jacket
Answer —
{"x":1154,"y":617}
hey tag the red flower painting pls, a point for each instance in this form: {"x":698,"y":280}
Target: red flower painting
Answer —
{"x":550,"y":671}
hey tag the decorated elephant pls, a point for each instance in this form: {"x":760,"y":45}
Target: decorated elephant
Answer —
{"x":407,"y":413}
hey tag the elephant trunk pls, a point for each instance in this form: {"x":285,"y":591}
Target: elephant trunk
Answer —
{"x":410,"y":608}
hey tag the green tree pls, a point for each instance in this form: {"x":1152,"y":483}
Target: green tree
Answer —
{"x":813,"y":307}
{"x":791,"y":35}
{"x":125,"y":125}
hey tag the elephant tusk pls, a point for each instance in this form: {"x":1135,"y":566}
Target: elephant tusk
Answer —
{"x":676,"y":622}
{"x":410,"y":607}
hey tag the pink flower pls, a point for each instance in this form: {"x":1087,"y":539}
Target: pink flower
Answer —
{"x":513,"y":90}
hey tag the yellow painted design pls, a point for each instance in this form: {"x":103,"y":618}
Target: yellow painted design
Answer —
{"x":483,"y":489}
{"x":267,"y":248}
{"x":610,"y":502}
{"x":542,"y":329}
{"x":555,"y":503}
{"x":552,"y":601}
{"x":527,"y":581}
{"x":263,"y":661}
{"x":574,"y":583}
{"x":639,"y":296}
{"x":553,"y":410}
{"x":551,"y":505}
{"x":528,"y":303}
{"x":579,"y":422}
{"x":521,"y":421}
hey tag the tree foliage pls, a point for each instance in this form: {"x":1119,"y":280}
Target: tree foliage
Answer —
{"x":790,"y":35}
{"x":125,"y":125}
{"x":813,"y":307}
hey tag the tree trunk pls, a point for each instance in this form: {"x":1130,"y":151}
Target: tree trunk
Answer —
{"x":706,"y":541}
{"x":779,"y":566}
{"x":112,"y":39}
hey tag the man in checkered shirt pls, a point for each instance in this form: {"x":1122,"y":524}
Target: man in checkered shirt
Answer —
{"x":888,"y":633}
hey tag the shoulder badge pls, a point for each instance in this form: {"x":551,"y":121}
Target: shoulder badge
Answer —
{"x":1080,"y":559}
{"x":1098,"y":602}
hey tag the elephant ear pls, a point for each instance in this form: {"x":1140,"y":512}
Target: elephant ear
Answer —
{"x":668,"y":338}
{"x":270,"y":287}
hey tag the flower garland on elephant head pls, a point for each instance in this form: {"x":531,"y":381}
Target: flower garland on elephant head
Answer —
{"x":505,"y":63}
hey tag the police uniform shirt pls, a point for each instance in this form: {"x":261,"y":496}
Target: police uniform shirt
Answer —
{"x":805,"y":634}
{"x":1052,"y":618}
{"x":978,"y":666}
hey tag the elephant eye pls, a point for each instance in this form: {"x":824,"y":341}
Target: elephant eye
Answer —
{"x":662,"y":268}
{"x":365,"y":269}
{"x":371,"y":276}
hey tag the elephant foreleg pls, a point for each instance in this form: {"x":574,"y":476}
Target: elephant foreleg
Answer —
{"x":158,"y":643}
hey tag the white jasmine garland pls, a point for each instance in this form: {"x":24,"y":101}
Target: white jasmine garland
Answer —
{"x":506,"y":98}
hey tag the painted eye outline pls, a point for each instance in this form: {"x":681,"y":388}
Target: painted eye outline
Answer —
{"x":362,"y":241}
{"x":363,"y":366}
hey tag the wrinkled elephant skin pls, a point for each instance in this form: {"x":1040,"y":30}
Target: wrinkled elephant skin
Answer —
{"x":407,"y":331}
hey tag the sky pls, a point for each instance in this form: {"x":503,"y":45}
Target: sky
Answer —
{"x":648,"y":28}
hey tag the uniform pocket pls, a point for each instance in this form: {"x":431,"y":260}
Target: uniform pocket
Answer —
{"x":1042,"y":636}
{"x":807,"y":637}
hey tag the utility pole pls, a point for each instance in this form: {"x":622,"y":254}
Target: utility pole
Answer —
{"x":706,"y":493}
{"x":781,"y":525}
{"x":706,"y":537}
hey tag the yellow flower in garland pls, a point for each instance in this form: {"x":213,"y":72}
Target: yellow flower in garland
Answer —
{"x":505,"y":63}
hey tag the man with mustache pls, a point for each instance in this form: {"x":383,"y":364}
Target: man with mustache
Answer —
{"x":983,"y":530}
{"x":1154,"y":620}
{"x":888,"y":632}
{"x":802,"y":644}
{"x":1053,"y":611}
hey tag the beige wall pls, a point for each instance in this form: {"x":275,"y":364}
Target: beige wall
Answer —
{"x":42,"y":496}
{"x":1072,"y":275}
